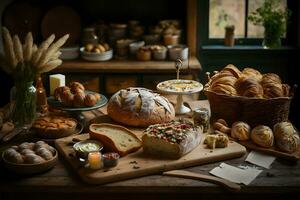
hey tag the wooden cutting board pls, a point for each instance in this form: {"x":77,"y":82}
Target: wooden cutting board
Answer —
{"x":138,"y":164}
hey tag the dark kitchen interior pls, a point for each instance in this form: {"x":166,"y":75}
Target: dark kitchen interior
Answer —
{"x":110,"y":81}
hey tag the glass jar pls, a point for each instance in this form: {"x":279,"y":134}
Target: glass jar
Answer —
{"x":89,"y":36}
{"x":201,"y":118}
{"x":23,"y":103}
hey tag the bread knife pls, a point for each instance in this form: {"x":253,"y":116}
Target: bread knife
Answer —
{"x":197,"y":176}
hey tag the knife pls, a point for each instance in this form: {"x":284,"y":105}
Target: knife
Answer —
{"x":196,"y":176}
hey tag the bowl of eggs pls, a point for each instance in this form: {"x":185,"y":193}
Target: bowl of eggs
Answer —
{"x":30,"y":158}
{"x":96,"y":52}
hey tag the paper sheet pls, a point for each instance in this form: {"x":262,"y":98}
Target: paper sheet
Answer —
{"x":234,"y":174}
{"x":260,"y":159}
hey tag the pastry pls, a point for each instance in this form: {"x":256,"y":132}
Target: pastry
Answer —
{"x":286,"y":137}
{"x":54,"y":126}
{"x":221,"y":126}
{"x":115,"y":138}
{"x":286,"y":90}
{"x":262,"y":136}
{"x":90,"y":100}
{"x":76,"y":86}
{"x":271,"y":77}
{"x":233,"y":70}
{"x":74,"y":96}
{"x":173,"y":139}
{"x":240,"y":131}
{"x":253,"y":73}
{"x":272,"y":86}
{"x":224,"y":81}
{"x":216,"y":140}
{"x":139,"y":107}
{"x":249,"y":87}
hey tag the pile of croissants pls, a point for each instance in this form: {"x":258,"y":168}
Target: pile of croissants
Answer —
{"x":248,"y":83}
{"x":283,"y":136}
{"x":74,"y":96}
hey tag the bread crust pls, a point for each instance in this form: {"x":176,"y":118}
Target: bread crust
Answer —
{"x":108,"y":142}
{"x":125,"y":111}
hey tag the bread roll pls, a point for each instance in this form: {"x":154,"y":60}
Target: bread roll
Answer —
{"x":76,"y":87}
{"x":67,"y":98}
{"x":249,"y":87}
{"x":79,"y":99}
{"x":253,"y":73}
{"x":286,"y":137}
{"x":262,"y":136}
{"x":139,"y":107}
{"x":90,"y":100}
{"x":240,"y":131}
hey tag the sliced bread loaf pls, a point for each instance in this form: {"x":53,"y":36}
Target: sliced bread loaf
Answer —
{"x":115,"y":138}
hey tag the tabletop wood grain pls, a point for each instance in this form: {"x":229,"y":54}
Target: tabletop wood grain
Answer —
{"x":283,"y":179}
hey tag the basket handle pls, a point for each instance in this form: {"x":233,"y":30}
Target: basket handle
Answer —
{"x":293,"y":90}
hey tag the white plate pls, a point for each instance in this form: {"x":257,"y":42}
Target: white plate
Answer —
{"x":179,"y":86}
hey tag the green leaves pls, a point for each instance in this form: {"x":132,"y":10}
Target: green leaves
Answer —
{"x":271,"y":17}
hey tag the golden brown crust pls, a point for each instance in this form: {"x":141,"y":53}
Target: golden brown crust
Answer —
{"x":139,"y":107}
{"x":249,"y":87}
{"x":250,"y":72}
{"x":54,"y":126}
{"x":233,"y":70}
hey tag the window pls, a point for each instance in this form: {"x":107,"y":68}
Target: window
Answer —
{"x":235,"y":12}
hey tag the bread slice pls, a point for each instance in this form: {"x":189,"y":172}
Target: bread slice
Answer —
{"x":115,"y":138}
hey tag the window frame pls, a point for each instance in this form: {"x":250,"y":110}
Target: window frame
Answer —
{"x":203,"y":30}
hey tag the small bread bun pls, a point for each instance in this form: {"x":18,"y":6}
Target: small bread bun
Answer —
{"x":76,"y":86}
{"x":240,"y":131}
{"x":67,"y":98}
{"x":90,"y":100}
{"x":286,"y":137}
{"x":262,"y":136}
{"x":79,"y":99}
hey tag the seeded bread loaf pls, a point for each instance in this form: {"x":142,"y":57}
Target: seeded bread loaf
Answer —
{"x":172,"y":140}
{"x":115,"y":138}
{"x":139,"y":107}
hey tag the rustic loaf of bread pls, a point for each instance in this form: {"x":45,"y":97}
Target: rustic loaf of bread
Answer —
{"x":115,"y":138}
{"x":172,"y":140}
{"x":139,"y":107}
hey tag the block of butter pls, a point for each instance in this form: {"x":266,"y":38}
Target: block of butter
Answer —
{"x":56,"y":80}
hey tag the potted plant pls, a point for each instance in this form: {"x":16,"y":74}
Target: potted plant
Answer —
{"x":229,"y":28}
{"x":274,"y":21}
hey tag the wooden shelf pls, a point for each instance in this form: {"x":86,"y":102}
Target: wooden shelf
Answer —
{"x":127,"y":66}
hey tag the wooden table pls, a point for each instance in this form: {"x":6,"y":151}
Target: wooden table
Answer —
{"x":280,"y":182}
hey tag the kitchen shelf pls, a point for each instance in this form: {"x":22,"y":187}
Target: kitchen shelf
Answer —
{"x":127,"y":66}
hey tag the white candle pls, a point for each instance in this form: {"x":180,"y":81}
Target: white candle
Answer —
{"x":95,"y":160}
{"x":56,"y":80}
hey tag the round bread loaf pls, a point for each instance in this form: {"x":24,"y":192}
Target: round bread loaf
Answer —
{"x":139,"y":107}
{"x":286,"y":137}
{"x":240,"y":131}
{"x":262,"y":136}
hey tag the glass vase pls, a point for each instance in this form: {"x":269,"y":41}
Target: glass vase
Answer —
{"x":271,"y":40}
{"x":23,"y":99}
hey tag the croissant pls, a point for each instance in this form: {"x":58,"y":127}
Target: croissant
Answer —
{"x":250,"y":72}
{"x":270,"y":77}
{"x":76,"y":86}
{"x":262,"y":136}
{"x":249,"y":87}
{"x":286,"y":90}
{"x":233,"y":70}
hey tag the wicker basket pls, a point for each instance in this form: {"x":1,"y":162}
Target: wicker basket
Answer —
{"x":254,"y":111}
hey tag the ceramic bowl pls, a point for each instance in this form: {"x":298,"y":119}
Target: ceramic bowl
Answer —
{"x":178,"y":52}
{"x":92,"y":56}
{"x":84,"y":154}
{"x":30,"y":168}
{"x":69,"y":53}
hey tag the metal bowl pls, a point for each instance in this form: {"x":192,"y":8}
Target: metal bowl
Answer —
{"x":84,"y":154}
